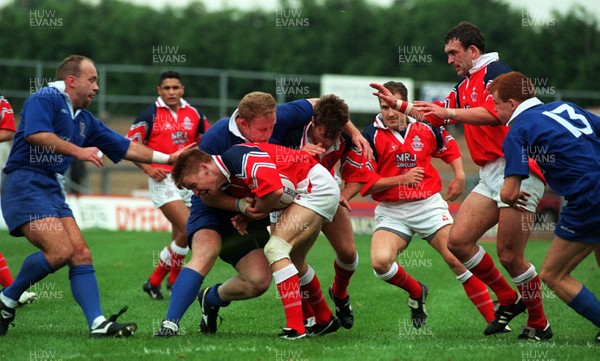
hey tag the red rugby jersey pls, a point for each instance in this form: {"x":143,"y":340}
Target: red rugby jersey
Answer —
{"x":396,"y":155}
{"x":257,"y":168}
{"x":7,"y":118}
{"x":164,"y":130}
{"x":484,"y":141}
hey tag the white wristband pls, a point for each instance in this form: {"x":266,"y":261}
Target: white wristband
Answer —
{"x":159,"y":157}
{"x":242,"y":204}
{"x":403,"y":107}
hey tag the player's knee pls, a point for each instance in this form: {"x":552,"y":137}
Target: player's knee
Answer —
{"x":381,"y":265}
{"x":457,"y":248}
{"x":548,"y":277}
{"x":277,"y":249}
{"x":81,"y":255}
{"x":508,"y":259}
{"x":259,"y":285}
{"x":347,"y":255}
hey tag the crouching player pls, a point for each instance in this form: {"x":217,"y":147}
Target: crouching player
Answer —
{"x":256,"y":170}
{"x":403,"y":146}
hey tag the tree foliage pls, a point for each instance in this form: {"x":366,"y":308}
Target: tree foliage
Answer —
{"x":329,"y":36}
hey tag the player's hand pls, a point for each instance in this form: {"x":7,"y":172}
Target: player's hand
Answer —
{"x":455,"y":188}
{"x":384,"y":94}
{"x":432,"y":112}
{"x":521,"y":202}
{"x":414,"y":176}
{"x":314,"y":149}
{"x":173,"y":156}
{"x":344,"y":203}
{"x":362,"y":144}
{"x":157,"y":174}
{"x":240,"y":223}
{"x":255,"y":213}
{"x":91,"y":154}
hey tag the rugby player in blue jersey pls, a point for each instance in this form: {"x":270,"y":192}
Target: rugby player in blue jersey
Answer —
{"x":564,"y":139}
{"x":55,"y":129}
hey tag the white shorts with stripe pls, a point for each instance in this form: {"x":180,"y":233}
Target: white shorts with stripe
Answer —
{"x":319,"y":192}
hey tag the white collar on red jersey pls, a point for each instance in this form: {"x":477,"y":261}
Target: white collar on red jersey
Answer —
{"x":529,"y":103}
{"x":233,"y":127}
{"x":161,"y":103}
{"x":483,"y":60}
{"x":219,"y":162}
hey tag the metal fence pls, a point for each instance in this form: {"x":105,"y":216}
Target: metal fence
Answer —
{"x":228,"y":85}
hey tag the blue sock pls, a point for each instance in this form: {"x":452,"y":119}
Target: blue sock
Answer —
{"x":34,"y":269}
{"x":586,"y":304}
{"x":185,"y":291}
{"x":85,"y":291}
{"x":212,"y":297}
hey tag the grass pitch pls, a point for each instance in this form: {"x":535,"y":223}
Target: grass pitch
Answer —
{"x":54,"y":328}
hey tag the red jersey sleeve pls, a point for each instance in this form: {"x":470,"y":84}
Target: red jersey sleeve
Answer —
{"x":262,"y":176}
{"x":356,"y":169}
{"x":7,"y":117}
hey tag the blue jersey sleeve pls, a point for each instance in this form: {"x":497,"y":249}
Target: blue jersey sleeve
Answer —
{"x":107,"y":140}
{"x":291,"y":115}
{"x":514,"y":148}
{"x":40,"y":110}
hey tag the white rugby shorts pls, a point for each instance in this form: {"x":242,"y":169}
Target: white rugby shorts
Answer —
{"x":319,"y":192}
{"x":424,"y":217}
{"x":491,"y":179}
{"x":166,"y":191}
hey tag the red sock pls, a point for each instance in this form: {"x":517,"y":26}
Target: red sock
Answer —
{"x":487,"y":272}
{"x":159,"y":273}
{"x":177,"y":261}
{"x":317,"y":301}
{"x":5,"y":276}
{"x":406,"y":282}
{"x":307,"y":311}
{"x":479,"y":295}
{"x":289,"y":292}
{"x":341,"y":280}
{"x":531,"y":293}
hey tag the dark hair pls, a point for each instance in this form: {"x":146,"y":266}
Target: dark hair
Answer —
{"x":169,"y":75}
{"x":397,"y":87}
{"x":332,"y":113}
{"x":71,"y":65}
{"x":512,"y":85}
{"x":468,"y":34}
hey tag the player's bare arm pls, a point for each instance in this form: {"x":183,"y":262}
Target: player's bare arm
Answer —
{"x":264,"y":205}
{"x":511,"y":192}
{"x":52,"y":141}
{"x":6,"y":135}
{"x":220,"y":200}
{"x":140,"y":153}
{"x":473,"y":116}
{"x":457,"y":185}
{"x":392,"y":102}
{"x":154,"y":173}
